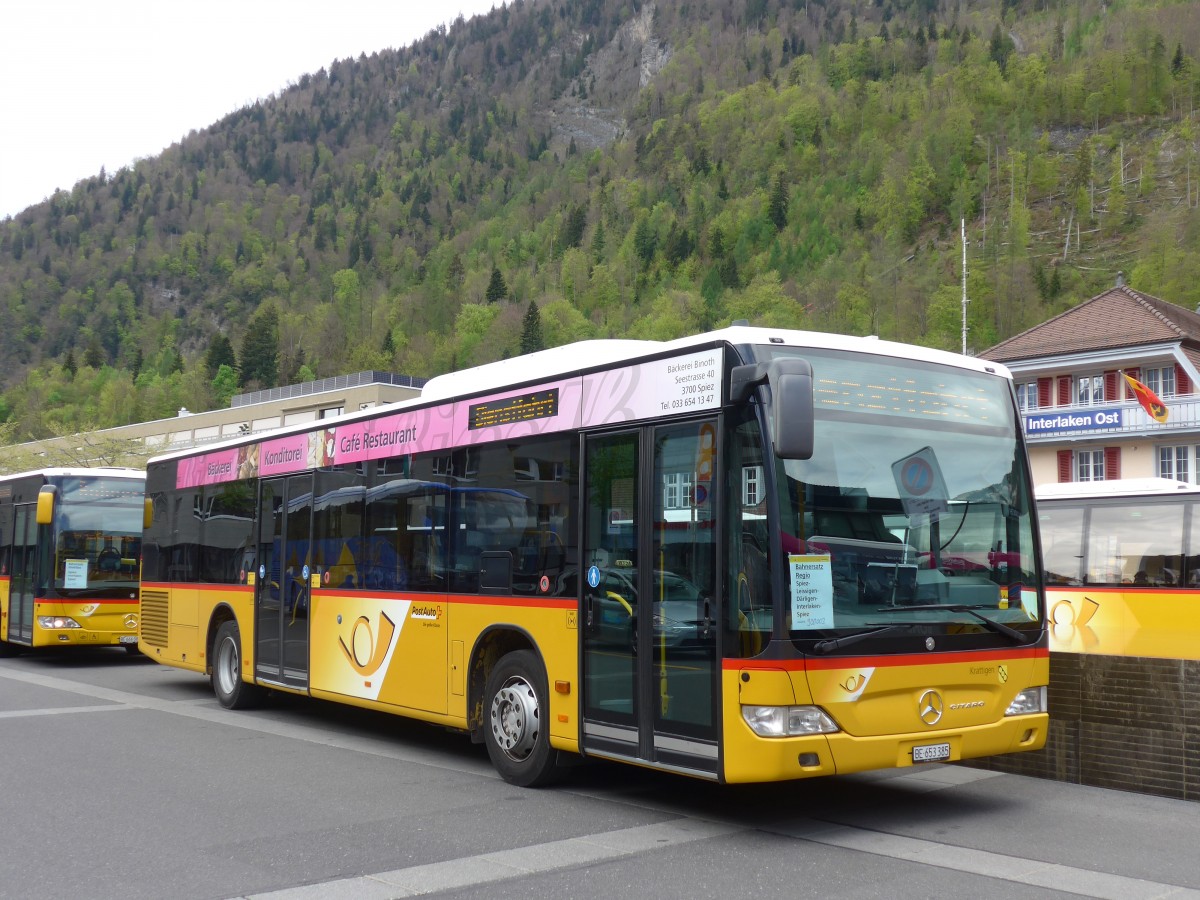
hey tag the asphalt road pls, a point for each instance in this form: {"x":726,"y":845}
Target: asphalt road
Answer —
{"x":120,"y":778}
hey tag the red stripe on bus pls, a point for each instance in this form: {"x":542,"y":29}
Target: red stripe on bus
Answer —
{"x":465,"y":599}
{"x":1119,"y":589}
{"x":472,"y":599}
{"x":84,"y":601}
{"x":176,"y":586}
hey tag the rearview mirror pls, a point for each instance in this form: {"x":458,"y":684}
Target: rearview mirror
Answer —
{"x":790,"y":404}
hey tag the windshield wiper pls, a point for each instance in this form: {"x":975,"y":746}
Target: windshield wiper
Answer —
{"x":999,"y":627}
{"x":838,"y":643}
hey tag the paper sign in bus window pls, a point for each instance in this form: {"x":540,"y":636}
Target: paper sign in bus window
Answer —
{"x":75,"y":575}
{"x":811,"y":579}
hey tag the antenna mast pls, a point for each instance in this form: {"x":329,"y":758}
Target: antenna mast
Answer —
{"x":963,"y":225}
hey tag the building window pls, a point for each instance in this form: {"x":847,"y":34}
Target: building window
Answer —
{"x":1173,"y":463}
{"x":751,"y":485}
{"x":1160,"y":380}
{"x":1027,"y":395}
{"x":1089,"y":389}
{"x":677,"y":490}
{"x":1089,"y":465}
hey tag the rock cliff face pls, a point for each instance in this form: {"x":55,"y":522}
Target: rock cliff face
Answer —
{"x":589,"y":114}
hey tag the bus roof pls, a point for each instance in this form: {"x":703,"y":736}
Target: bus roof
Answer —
{"x":79,"y":472}
{"x":584,"y":356}
{"x":1117,"y":487}
{"x":598,"y":353}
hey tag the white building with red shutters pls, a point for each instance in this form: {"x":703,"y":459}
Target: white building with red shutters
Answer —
{"x":1082,"y":421}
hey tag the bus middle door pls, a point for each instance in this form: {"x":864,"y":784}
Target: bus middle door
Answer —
{"x":282,"y":594}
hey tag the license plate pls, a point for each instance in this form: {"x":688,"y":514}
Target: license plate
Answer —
{"x":128,"y":639}
{"x":930,"y":752}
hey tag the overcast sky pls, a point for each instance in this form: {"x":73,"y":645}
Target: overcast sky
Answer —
{"x":86,"y":83}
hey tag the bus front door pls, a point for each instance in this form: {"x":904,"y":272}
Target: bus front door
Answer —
{"x":648,"y":596}
{"x":282,"y":592}
{"x":23,"y":585}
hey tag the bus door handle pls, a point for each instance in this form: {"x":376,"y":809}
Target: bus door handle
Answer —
{"x":707,"y":617}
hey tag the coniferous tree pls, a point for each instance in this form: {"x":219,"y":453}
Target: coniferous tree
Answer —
{"x":220,"y":353}
{"x":778,"y":208}
{"x":93,"y":356}
{"x":645,"y":241}
{"x":571,"y":232}
{"x":497,"y":289}
{"x":531,"y":330}
{"x":598,"y":239}
{"x":260,"y":349}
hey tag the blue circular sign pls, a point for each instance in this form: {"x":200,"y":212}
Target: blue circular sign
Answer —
{"x":917,"y":477}
{"x":304,"y":573}
{"x":594,"y":576}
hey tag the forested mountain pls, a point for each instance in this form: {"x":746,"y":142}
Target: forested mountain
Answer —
{"x":563,"y":169}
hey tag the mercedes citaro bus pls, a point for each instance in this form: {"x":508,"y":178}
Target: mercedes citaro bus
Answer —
{"x":748,"y":555}
{"x":70,"y":553}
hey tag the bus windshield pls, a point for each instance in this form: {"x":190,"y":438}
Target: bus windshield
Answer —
{"x":914,"y":506}
{"x":97,"y":534}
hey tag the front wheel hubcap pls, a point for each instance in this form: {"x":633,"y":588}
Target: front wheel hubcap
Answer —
{"x":227,"y":666}
{"x":515,"y":719}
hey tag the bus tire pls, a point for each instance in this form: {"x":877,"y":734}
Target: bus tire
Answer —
{"x":517,"y":724}
{"x":232,"y":692}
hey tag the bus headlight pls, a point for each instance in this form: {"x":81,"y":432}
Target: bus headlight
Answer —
{"x":1030,"y":700}
{"x":788,"y":721}
{"x":57,"y":622}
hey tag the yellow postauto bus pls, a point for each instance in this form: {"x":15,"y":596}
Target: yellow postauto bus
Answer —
{"x":1122,"y":567}
{"x":748,"y":555}
{"x":70,"y":548}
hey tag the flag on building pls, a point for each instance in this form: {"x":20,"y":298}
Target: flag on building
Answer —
{"x":1154,"y":407}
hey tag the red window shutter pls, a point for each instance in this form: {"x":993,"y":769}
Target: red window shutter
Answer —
{"x":1134,"y":372}
{"x":1112,"y":463}
{"x":1183,"y":384}
{"x":1044,"y":393}
{"x":1111,"y":391}
{"x":1064,"y":390}
{"x":1064,"y":465}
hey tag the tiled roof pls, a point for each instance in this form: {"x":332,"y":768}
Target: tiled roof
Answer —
{"x":1120,"y":317}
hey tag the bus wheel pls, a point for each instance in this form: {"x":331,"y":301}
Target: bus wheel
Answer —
{"x":517,"y":731}
{"x":231,"y":691}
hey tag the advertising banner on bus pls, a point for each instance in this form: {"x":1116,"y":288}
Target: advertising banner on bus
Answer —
{"x":688,"y":383}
